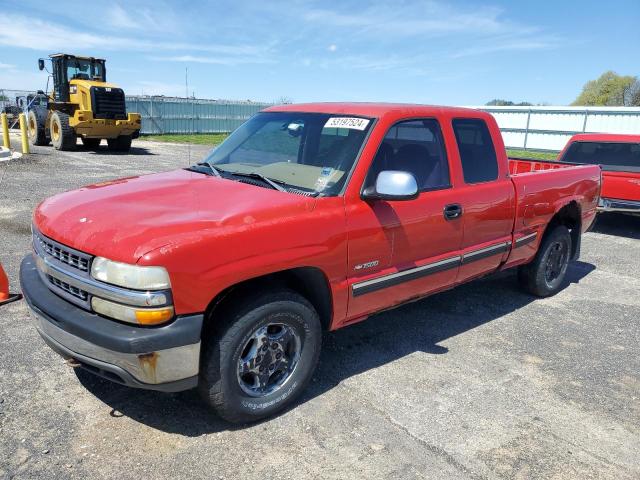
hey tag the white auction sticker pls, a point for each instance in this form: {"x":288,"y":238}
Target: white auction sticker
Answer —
{"x":353,"y":123}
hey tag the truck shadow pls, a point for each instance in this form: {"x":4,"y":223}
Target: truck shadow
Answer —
{"x":618,"y":224}
{"x":104,"y":150}
{"x":415,"y":327}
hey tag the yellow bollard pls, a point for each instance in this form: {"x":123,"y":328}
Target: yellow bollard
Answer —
{"x":23,"y":133}
{"x":5,"y":130}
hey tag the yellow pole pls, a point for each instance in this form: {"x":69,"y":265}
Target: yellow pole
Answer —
{"x":23,"y":132}
{"x":5,"y":130}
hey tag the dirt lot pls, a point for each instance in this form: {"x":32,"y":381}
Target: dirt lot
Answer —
{"x":480,"y":382}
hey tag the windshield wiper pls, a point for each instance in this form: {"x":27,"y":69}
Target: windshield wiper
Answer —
{"x":215,"y":170}
{"x":259,"y":176}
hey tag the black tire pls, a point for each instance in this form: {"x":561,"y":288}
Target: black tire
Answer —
{"x":36,"y":130}
{"x":545,"y":275}
{"x":120,"y":144}
{"x":91,"y":143}
{"x":222,"y":385}
{"x":62,"y":135}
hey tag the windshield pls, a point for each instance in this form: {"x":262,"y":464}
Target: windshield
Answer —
{"x":310,"y":151}
{"x":84,"y":70}
{"x":610,"y":155}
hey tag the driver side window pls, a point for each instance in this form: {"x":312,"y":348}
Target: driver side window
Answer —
{"x":417,"y":147}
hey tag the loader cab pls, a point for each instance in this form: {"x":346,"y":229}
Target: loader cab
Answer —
{"x":69,"y":67}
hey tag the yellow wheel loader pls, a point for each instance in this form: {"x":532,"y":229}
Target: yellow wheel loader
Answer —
{"x":82,"y":104}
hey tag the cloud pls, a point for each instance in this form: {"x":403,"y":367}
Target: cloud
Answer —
{"x":219,"y":60}
{"x":333,"y":47}
{"x":505,"y":46}
{"x":17,"y":31}
{"x":411,"y":19}
{"x":119,"y":18}
{"x":7,"y":66}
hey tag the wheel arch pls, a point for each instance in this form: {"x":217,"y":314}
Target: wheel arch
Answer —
{"x":569,"y":215}
{"x":310,"y":282}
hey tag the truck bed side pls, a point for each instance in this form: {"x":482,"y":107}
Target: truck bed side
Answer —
{"x":542,"y":190}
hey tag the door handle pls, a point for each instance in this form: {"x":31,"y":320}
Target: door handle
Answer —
{"x":452,"y":211}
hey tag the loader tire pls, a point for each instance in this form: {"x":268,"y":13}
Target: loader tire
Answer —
{"x":36,"y":130}
{"x":62,"y":135}
{"x":119,"y":144}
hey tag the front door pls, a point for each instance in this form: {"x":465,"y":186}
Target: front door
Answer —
{"x":403,"y":249}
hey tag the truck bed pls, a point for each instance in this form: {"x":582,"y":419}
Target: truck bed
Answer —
{"x":524,"y":165}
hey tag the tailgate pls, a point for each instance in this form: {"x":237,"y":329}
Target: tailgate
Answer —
{"x":621,"y":185}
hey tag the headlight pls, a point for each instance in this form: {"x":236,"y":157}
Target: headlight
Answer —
{"x":129,"y":276}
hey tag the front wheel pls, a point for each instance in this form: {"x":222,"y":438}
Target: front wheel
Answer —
{"x":261,"y":357}
{"x":545,"y":275}
{"x":62,"y":135}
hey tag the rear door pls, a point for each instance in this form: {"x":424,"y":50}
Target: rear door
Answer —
{"x":404,"y":249}
{"x":487,"y":197}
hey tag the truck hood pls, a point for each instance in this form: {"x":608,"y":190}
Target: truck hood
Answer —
{"x":125,"y":219}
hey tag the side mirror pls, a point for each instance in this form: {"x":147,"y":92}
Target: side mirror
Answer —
{"x":41,"y":64}
{"x":393,"y":185}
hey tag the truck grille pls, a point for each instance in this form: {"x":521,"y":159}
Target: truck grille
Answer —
{"x":108,"y":103}
{"x":63,"y":254}
{"x":70,"y":289}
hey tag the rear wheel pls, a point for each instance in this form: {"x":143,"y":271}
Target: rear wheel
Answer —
{"x":62,"y":135}
{"x":36,"y":130}
{"x":120,"y":144}
{"x":261,"y":357}
{"x":545,"y":275}
{"x":91,"y":143}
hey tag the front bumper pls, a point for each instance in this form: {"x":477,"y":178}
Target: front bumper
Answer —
{"x":90,"y":127}
{"x":164,"y":358}
{"x":616,"y":205}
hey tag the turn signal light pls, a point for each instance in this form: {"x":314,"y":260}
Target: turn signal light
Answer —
{"x":135,"y":315}
{"x":153,"y":317}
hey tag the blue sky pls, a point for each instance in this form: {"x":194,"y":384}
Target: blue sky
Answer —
{"x":452,"y":53}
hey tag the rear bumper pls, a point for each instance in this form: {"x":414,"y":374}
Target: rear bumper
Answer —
{"x":616,"y":205}
{"x":163,"y":358}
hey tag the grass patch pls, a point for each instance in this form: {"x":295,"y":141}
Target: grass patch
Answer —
{"x":197,"y":138}
{"x":532,"y":155}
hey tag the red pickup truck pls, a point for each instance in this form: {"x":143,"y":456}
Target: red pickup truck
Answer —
{"x":223,"y":275}
{"x":619,"y":157}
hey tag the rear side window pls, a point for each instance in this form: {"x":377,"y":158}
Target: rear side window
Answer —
{"x":610,"y":155}
{"x":477,"y":152}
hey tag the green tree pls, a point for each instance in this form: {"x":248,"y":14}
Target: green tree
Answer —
{"x":507,"y":103}
{"x":610,"y":89}
{"x":632,"y":97}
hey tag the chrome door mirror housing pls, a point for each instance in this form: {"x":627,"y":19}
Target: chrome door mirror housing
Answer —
{"x":392,"y":185}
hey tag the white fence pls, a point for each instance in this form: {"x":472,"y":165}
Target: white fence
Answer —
{"x":549,"y":128}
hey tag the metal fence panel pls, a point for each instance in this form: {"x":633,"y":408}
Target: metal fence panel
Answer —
{"x":549,"y":128}
{"x":190,"y":115}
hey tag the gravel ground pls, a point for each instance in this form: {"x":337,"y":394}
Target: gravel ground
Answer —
{"x":479,"y":382}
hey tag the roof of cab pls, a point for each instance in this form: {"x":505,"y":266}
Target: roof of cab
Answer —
{"x":80,"y":57}
{"x":605,"y":137}
{"x":372,"y":109}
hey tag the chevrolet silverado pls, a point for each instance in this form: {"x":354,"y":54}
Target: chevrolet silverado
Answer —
{"x":223,"y":276}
